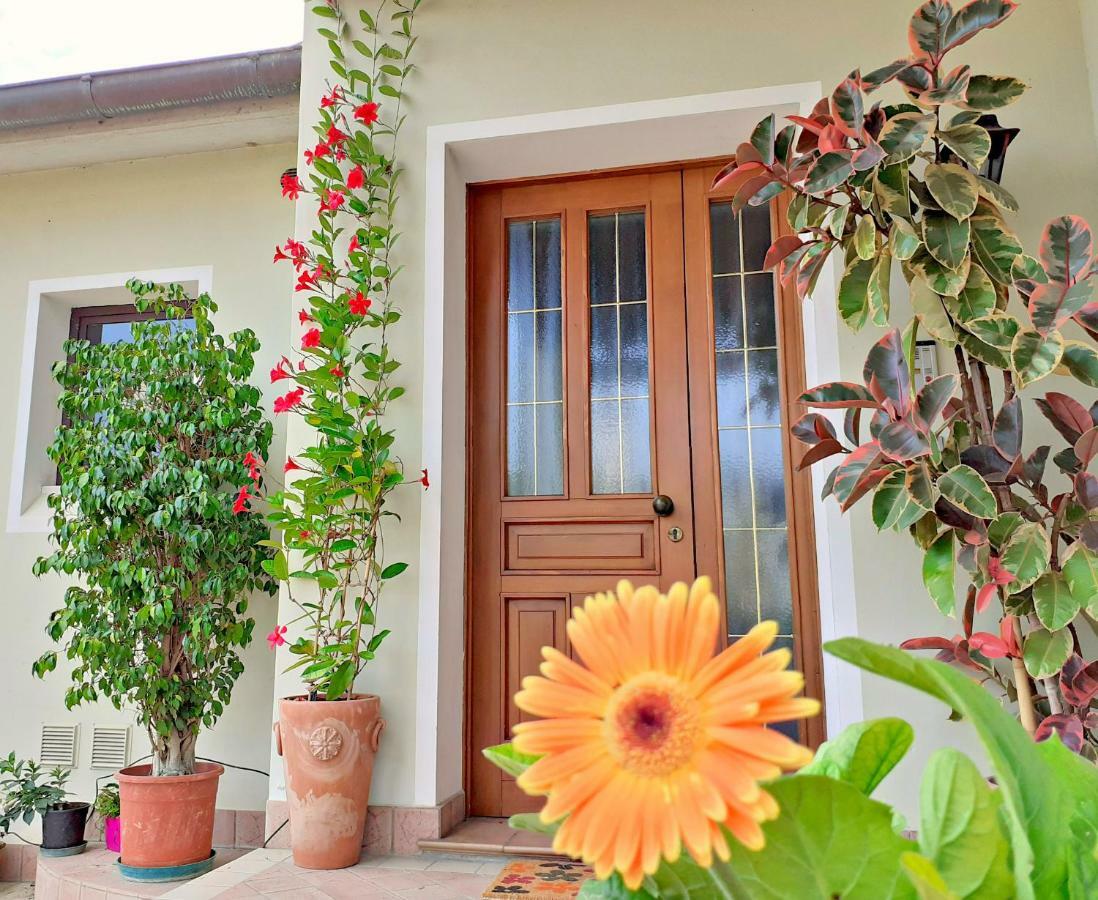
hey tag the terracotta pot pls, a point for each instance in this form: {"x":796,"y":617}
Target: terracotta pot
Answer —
{"x":329,"y":749}
{"x":169,"y":820}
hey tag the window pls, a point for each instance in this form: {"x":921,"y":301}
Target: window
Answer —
{"x":112,"y":324}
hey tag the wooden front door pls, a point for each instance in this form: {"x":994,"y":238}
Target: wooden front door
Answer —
{"x":625,"y":413}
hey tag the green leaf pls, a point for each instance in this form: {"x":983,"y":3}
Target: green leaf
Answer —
{"x":1045,"y":652}
{"x":990,"y":92}
{"x":953,"y":187}
{"x":1080,"y":567}
{"x":1050,"y":795}
{"x":930,"y":311}
{"x":879,"y":290}
{"x":998,"y":329}
{"x":893,"y":508}
{"x":341,"y":680}
{"x":940,"y":279}
{"x":966,"y":489}
{"x":1054,"y":601}
{"x":1026,"y":555}
{"x":830,"y":170}
{"x":532,"y":822}
{"x":938,"y":569}
{"x":959,"y":827}
{"x":1034,"y":356}
{"x":925,"y":878}
{"x":904,"y":134}
{"x":892,"y":187}
{"x":902,"y":239}
{"x":970,"y":142}
{"x":1081,"y":360}
{"x":829,"y":841}
{"x":996,"y":193}
{"x":854,"y":292}
{"x":975,"y":300}
{"x":392,"y":570}
{"x":509,"y":759}
{"x":863,"y":753}
{"x":996,"y":248}
{"x":946,"y":239}
{"x":865,"y":238}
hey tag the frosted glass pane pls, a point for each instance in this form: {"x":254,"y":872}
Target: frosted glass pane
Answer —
{"x":520,"y":356}
{"x":605,"y":447}
{"x":761,"y":329}
{"x":520,"y":265}
{"x":636,"y":454}
{"x":735,"y":479}
{"x":768,"y":472}
{"x":724,"y":239}
{"x":731,"y":389}
{"x":763,"y":387}
{"x":602,"y":256}
{"x":550,"y":449}
{"x":634,"y":350}
{"x":604,"y":351}
{"x":547,"y":264}
{"x":774,"y":590}
{"x":632,"y":269}
{"x":520,"y":451}
{"x":755,"y":223}
{"x":739,"y":571}
{"x":549,"y":375}
{"x":728,"y":313}
{"x":791,"y":730}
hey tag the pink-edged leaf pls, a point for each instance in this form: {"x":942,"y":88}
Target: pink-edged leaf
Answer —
{"x":858,"y":473}
{"x":1086,"y":448}
{"x":883,"y":75}
{"x":831,"y":139}
{"x":748,"y":153}
{"x":934,"y":396}
{"x":1068,"y":727}
{"x":1067,"y":415}
{"x":811,"y":428}
{"x":984,"y":596}
{"x":1066,"y":248}
{"x":749,"y":189}
{"x":970,"y":20}
{"x":847,"y":108}
{"x":807,"y":124}
{"x":762,"y":139}
{"x":830,"y":170}
{"x":903,"y":442}
{"x":839,"y":395}
{"x":927,"y":643}
{"x":926,"y":34}
{"x":868,"y":156}
{"x":780,"y":249}
{"x":1052,"y":304}
{"x":1007,"y":429}
{"x":1086,"y":489}
{"x":1079,"y":681}
{"x":989,"y":645}
{"x":825,"y":448}
{"x":733,"y":176}
{"x":887,"y":374}
{"x":810,"y":267}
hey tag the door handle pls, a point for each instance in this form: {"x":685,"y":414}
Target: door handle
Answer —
{"x":663,"y":505}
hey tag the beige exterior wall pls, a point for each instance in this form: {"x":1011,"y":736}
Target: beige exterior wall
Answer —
{"x":490,"y":58}
{"x":222,"y":210}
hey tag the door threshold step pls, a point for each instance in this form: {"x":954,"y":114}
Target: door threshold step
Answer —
{"x":492,"y":837}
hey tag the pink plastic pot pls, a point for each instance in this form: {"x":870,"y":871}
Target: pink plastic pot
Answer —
{"x":112,"y":834}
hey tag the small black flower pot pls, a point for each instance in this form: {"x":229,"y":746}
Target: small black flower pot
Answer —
{"x":63,"y":825}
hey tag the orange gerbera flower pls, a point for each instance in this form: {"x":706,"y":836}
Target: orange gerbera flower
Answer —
{"x":655,"y":743}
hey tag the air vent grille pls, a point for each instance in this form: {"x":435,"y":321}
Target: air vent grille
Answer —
{"x":58,"y":747}
{"x":110,"y":747}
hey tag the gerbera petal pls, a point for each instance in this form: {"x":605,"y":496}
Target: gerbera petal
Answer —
{"x":591,"y":646}
{"x":557,"y":767}
{"x":733,"y":657}
{"x":758,"y":689}
{"x":554,"y":735}
{"x":787,"y":710}
{"x":763,"y":743}
{"x":543,"y":697}
{"x":703,"y":622}
{"x":675,"y":636}
{"x":566,"y":797}
{"x":558,"y":667}
{"x":732,"y":781}
{"x":693,"y":825}
{"x":745,"y":830}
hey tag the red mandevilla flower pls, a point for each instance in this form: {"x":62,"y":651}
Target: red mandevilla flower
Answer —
{"x":279,"y":255}
{"x":306,"y":281}
{"x":353,"y":246}
{"x":311,"y":338}
{"x":359,"y":304}
{"x":318,"y":151}
{"x":356,"y":178}
{"x":291,"y":464}
{"x":303,"y":316}
{"x":252,"y":462}
{"x":332,"y":200}
{"x":335,"y":136}
{"x":366,"y":114}
{"x":334,"y":96}
{"x":288,"y":401}
{"x":297,"y":252}
{"x":277,"y":637}
{"x":291,"y":186}
{"x":241,"y":503}
{"x":278,"y":373}
{"x":337,"y":370}
{"x":424,"y":480}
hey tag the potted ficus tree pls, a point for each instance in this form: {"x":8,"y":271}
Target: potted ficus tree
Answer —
{"x":329,"y":516}
{"x":27,"y":790}
{"x":149,"y":453}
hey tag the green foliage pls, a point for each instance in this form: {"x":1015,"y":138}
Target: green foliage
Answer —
{"x":108,"y":803}
{"x":153,"y":437}
{"x":863,"y":754}
{"x":881,"y":183}
{"x":27,"y":790}
{"x":330,"y":515}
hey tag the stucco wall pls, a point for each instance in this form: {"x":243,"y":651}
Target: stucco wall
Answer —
{"x":487,"y":58}
{"x":222,"y":210}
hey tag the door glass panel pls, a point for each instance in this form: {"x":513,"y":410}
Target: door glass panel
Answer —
{"x":756,"y":538}
{"x":621,"y":453}
{"x":535,"y":381}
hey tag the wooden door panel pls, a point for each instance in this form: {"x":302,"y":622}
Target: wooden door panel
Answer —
{"x":620,"y":546}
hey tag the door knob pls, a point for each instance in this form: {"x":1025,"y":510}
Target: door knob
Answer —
{"x":663,"y":505}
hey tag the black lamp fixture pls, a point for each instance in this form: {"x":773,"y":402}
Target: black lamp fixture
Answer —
{"x":1000,"y":139}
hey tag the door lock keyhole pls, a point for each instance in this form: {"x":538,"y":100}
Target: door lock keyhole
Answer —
{"x":675,"y":533}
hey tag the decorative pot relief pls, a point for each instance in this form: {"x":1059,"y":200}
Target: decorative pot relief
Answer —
{"x":325,"y":742}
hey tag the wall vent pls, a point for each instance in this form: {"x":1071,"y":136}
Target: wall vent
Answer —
{"x":58,"y":747}
{"x":110,"y":747}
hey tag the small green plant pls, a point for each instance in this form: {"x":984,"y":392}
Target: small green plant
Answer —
{"x":108,"y":804}
{"x":27,"y":790}
{"x":157,"y":432}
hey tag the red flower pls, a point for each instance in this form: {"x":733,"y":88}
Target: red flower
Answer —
{"x":333,"y":200}
{"x":335,"y":136}
{"x":367,"y":113}
{"x":318,"y":151}
{"x":337,"y":370}
{"x":241,"y":503}
{"x":311,"y":339}
{"x":279,"y":255}
{"x":252,"y":462}
{"x":334,"y":96}
{"x":289,"y":400}
{"x":303,"y":316}
{"x":297,"y":252}
{"x":359,"y":304}
{"x":356,"y":178}
{"x":277,"y":637}
{"x":291,"y":464}
{"x":424,"y":480}
{"x":278,"y":373}
{"x":306,"y":281}
{"x":291,"y":186}
{"x":301,"y":365}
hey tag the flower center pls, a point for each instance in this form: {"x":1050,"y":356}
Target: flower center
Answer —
{"x":652,"y":725}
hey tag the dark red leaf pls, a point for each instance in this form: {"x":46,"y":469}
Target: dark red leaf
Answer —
{"x":1067,"y":415}
{"x":886,"y":372}
{"x":927,"y":643}
{"x":1078,"y":681}
{"x":780,"y":249}
{"x":1086,"y":489}
{"x":734,"y":175}
{"x":824,"y":449}
{"x":838,"y":395}
{"x":811,"y":428}
{"x":989,"y":645}
{"x":1086,"y":448}
{"x":1070,"y":729}
{"x":986,"y":460}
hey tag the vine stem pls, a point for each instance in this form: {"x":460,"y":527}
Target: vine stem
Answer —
{"x":1026,"y":710}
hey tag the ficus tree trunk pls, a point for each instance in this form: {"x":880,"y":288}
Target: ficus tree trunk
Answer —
{"x":173,"y":753}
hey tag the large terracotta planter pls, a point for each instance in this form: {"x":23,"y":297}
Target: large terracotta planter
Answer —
{"x":169,"y":820}
{"x":329,"y":749}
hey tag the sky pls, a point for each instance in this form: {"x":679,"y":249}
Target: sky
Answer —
{"x":49,"y":38}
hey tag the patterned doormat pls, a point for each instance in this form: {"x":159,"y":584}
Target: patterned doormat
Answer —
{"x":540,"y":880}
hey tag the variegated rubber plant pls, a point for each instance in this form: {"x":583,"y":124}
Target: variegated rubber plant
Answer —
{"x":895,"y":184}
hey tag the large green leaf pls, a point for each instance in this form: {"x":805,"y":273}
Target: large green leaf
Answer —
{"x":829,"y":841}
{"x":975,"y":300}
{"x":946,"y":239}
{"x":928,"y":307}
{"x":830,"y":170}
{"x":938,"y":572}
{"x":893,"y":507}
{"x":998,"y":330}
{"x":959,"y":827}
{"x":925,"y":878}
{"x":970,"y":142}
{"x":853,"y":292}
{"x":893,"y":189}
{"x":1056,"y":604}
{"x":863,"y":753}
{"x":1034,"y":355}
{"x":903,"y":241}
{"x":966,"y":489}
{"x":1026,"y":555}
{"x":904,"y":134}
{"x":989,"y":92}
{"x":1045,"y":652}
{"x":1080,"y":567}
{"x":1081,"y":360}
{"x":509,"y":759}
{"x":879,"y":293}
{"x":953,"y":187}
{"x":995,"y":247}
{"x":940,"y":279}
{"x":1050,"y":795}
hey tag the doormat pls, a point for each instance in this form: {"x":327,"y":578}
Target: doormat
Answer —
{"x":540,"y":880}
